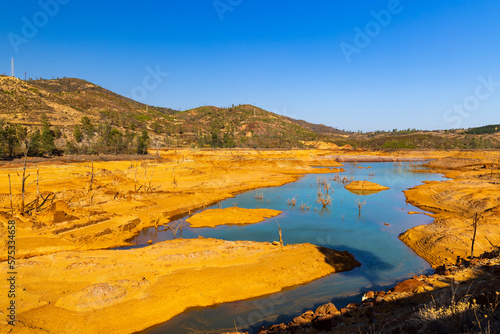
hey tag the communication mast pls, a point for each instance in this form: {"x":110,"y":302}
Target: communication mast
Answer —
{"x":12,"y":73}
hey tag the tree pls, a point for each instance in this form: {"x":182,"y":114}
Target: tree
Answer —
{"x":9,"y":138}
{"x":129,"y":139}
{"x":228,"y":140}
{"x":87,"y":127}
{"x":214,"y":140}
{"x":35,"y":144}
{"x":143,"y":143}
{"x":116,"y":140}
{"x":57,"y":132}
{"x":77,"y":134}
{"x":47,"y":142}
{"x":71,"y":148}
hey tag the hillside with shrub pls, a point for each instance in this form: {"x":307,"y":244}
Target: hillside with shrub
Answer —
{"x":73,"y":116}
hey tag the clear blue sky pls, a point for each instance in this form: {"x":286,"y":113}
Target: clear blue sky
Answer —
{"x":288,"y":57}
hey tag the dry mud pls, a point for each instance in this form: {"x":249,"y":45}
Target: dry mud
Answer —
{"x":230,"y":216}
{"x":68,"y":283}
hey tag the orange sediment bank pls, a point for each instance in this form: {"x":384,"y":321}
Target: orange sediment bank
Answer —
{"x":70,"y":285}
{"x":473,"y":188}
{"x":365,"y":187}
{"x":230,"y":216}
{"x":126,"y":197}
{"x":124,"y":291}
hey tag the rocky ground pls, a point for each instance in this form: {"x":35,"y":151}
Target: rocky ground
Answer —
{"x":463,"y":294}
{"x":461,"y":298}
{"x":85,"y":207}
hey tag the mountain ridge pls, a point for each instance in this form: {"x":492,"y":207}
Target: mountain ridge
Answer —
{"x":65,"y":101}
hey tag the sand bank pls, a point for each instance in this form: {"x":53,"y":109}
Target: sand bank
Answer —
{"x":230,"y":216}
{"x":123,"y":291}
{"x":365,"y":187}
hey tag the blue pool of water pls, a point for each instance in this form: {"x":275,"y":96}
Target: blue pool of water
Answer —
{"x":372,"y":237}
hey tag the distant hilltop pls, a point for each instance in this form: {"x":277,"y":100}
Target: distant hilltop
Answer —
{"x":65,"y":102}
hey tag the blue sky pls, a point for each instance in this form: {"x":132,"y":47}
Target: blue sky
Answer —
{"x":371,"y":65}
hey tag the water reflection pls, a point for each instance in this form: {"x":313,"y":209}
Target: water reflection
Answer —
{"x":372,"y":237}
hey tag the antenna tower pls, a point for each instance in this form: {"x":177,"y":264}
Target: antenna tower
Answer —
{"x":12,"y":73}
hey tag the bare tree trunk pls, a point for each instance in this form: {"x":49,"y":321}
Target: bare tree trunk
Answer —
{"x":173,"y":175}
{"x":281,"y":236}
{"x":135,"y":178}
{"x":475,"y":220}
{"x":91,"y":177}
{"x":151,"y":179}
{"x":10,"y":194}
{"x":37,"y":189}
{"x":23,"y":182}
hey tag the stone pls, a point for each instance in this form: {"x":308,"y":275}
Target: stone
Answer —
{"x":327,"y":309}
{"x":369,"y":295}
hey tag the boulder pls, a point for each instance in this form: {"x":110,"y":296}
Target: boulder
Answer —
{"x":327,"y":309}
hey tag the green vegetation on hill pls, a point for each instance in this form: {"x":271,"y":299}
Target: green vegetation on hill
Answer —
{"x":422,"y":140}
{"x":67,"y":101}
{"x":484,"y":130}
{"x":83,"y":118}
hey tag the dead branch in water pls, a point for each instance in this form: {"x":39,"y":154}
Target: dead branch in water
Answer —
{"x":360,"y":204}
{"x":281,"y":236}
{"x":176,"y":227}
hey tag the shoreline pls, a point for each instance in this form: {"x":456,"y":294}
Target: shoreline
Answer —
{"x":120,"y":217}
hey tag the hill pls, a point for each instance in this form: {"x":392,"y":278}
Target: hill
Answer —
{"x":63,"y":103}
{"x":484,"y":130}
{"x":84,"y":117}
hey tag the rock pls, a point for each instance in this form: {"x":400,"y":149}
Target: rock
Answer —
{"x":368,"y":296}
{"x":299,"y":321}
{"x":327,"y":309}
{"x":150,"y":242}
{"x":309,"y":315}
{"x":277,"y":328}
{"x":408,"y":286}
{"x":352,"y":306}
{"x":474,"y":262}
{"x":276,"y":243}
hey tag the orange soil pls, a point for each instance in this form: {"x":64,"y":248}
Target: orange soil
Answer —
{"x":365,"y":187}
{"x":124,"y":291}
{"x":474,"y":187}
{"x":127,"y":197}
{"x":124,"y":198}
{"x":231,"y":216}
